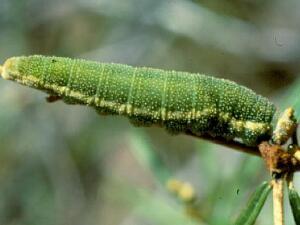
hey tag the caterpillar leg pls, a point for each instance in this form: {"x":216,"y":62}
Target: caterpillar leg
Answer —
{"x":53,"y":98}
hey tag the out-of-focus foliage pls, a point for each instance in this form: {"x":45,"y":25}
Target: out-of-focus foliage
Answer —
{"x":289,"y":97}
{"x":64,"y":164}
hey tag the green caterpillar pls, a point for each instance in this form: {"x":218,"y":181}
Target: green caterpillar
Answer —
{"x":181,"y":102}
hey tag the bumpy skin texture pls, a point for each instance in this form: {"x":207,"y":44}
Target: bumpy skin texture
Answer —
{"x":181,"y":102}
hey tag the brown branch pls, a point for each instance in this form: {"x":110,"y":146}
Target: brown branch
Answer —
{"x":229,"y":144}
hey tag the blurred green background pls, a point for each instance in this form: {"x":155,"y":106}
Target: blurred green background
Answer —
{"x":63,"y":164}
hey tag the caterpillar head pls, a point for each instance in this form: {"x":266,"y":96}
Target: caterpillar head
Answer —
{"x":24,"y":70}
{"x":9,"y":70}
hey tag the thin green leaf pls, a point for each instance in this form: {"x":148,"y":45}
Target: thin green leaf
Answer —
{"x":295,"y":204}
{"x":250,"y":213}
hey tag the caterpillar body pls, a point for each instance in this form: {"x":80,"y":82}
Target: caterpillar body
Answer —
{"x":179,"y":101}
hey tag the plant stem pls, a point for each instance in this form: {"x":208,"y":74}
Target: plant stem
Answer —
{"x":278,"y":201}
{"x":229,"y":144}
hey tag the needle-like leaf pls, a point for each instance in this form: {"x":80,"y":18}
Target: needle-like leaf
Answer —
{"x":250,"y":213}
{"x":295,"y":203}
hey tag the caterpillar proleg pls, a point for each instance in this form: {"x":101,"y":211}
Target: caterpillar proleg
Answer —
{"x":181,"y":102}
